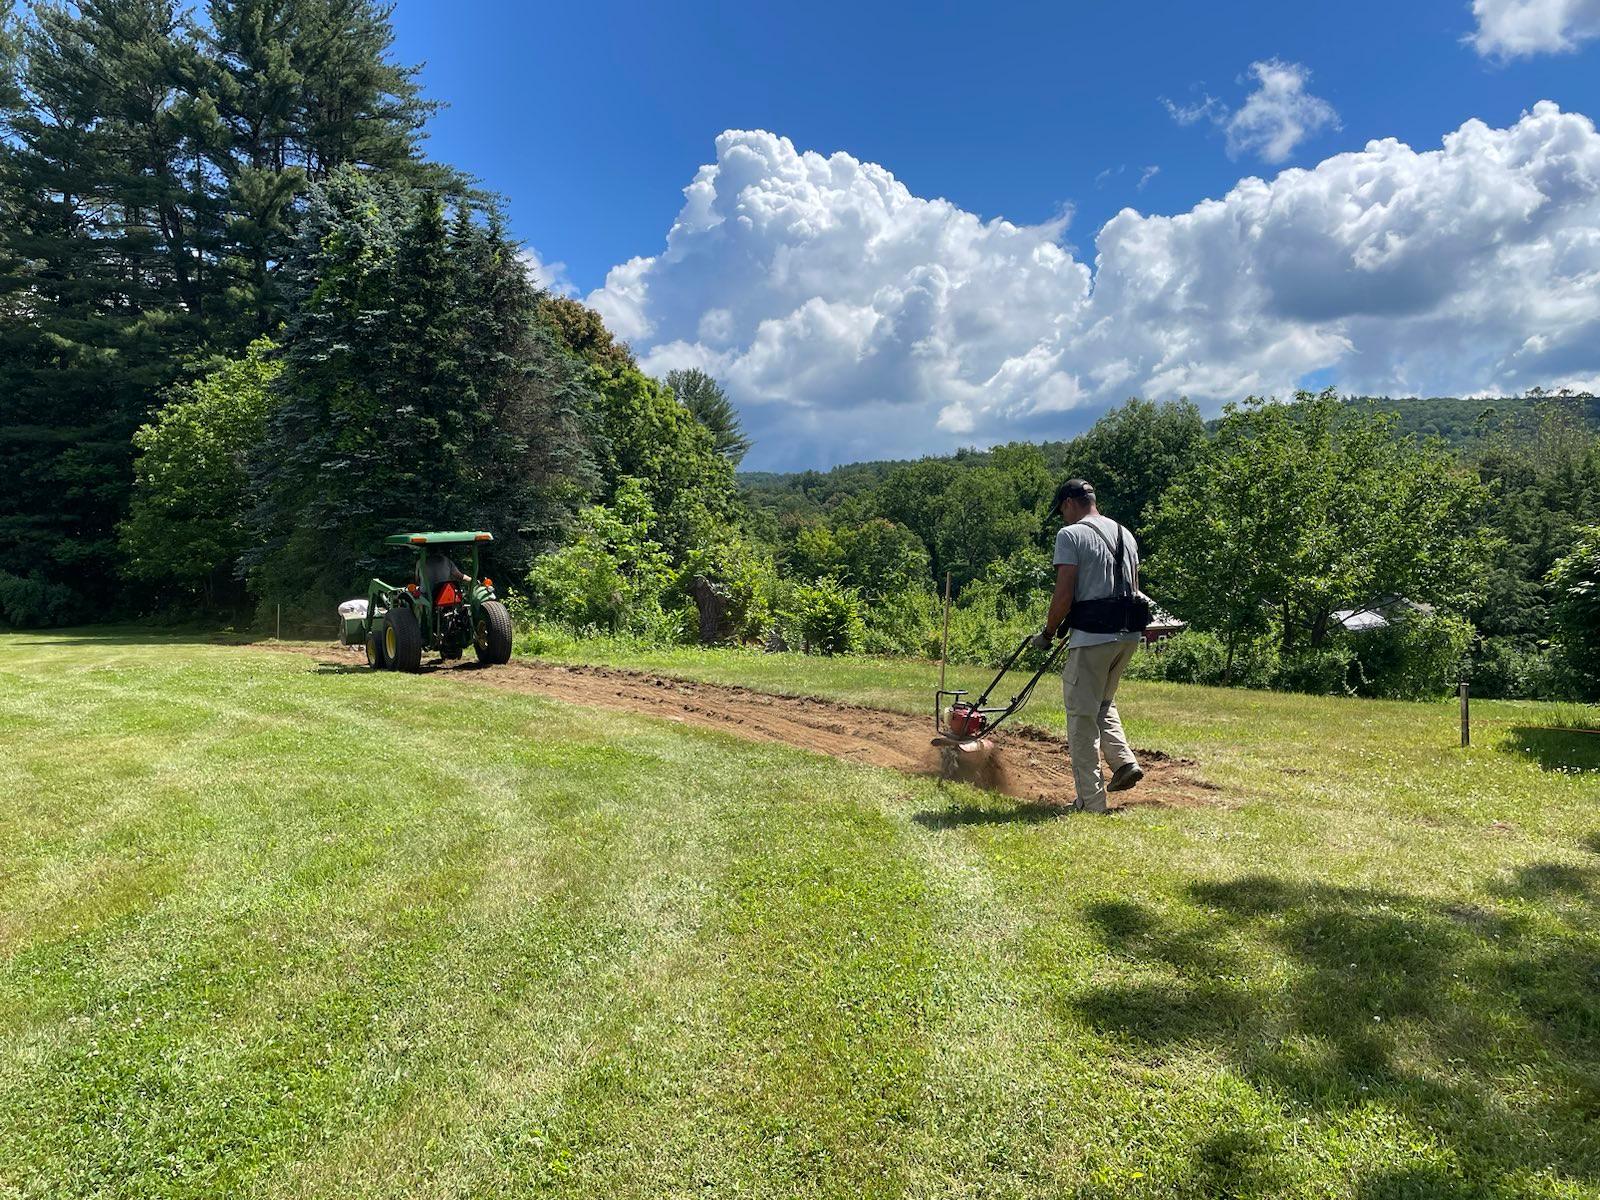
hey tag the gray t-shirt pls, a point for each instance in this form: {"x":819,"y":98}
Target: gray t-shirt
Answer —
{"x":1076,"y":544}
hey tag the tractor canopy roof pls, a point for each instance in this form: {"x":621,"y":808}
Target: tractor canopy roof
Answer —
{"x":436,"y":539}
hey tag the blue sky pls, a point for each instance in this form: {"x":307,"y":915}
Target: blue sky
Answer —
{"x":591,"y":119}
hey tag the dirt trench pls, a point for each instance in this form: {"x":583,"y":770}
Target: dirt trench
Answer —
{"x":1025,"y":762}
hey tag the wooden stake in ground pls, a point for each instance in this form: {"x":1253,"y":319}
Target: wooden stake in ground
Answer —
{"x":1466,"y":716}
{"x":944,"y":646}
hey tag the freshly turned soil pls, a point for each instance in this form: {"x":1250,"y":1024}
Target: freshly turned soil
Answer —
{"x":1024,"y":762}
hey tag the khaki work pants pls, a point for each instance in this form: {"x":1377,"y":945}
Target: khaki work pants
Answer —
{"x":1089,"y":687}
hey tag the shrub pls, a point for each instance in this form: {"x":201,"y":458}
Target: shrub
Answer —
{"x":1146,"y":664}
{"x":1324,"y":671}
{"x":877,"y":556}
{"x":1504,"y":668}
{"x":1025,"y":578}
{"x":987,"y":624}
{"x":744,"y":575}
{"x":611,"y":577}
{"x":905,"y":622}
{"x":1200,"y":656}
{"x":1190,"y":657}
{"x":34,"y":600}
{"x":827,"y":616}
{"x":1421,"y":655}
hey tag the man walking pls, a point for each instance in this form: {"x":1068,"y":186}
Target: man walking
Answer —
{"x":1085,"y":562}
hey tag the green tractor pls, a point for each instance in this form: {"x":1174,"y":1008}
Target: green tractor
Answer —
{"x":444,"y":608}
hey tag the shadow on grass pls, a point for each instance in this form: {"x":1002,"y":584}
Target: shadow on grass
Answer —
{"x":1477,"y":1022}
{"x":973,"y":814}
{"x":1232,"y":1163}
{"x":429,"y":666}
{"x":1555,"y":749}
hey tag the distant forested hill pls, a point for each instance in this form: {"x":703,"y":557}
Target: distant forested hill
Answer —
{"x":1459,"y":420}
{"x":822,"y":490}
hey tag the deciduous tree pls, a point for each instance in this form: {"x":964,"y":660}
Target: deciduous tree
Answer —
{"x":185,"y":528}
{"x":1132,"y":454}
{"x":1294,"y":511}
{"x":1575,"y":583}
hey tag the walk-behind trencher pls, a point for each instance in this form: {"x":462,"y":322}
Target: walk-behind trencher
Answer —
{"x":443,"y":608}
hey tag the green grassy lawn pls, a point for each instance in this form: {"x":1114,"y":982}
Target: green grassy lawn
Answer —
{"x":274,"y":928}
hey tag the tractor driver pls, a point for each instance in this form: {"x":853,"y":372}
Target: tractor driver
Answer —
{"x":438,"y":569}
{"x":1085,"y":568}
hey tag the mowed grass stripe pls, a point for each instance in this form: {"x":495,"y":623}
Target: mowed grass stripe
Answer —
{"x":707,"y":1066}
{"x":543,"y":983}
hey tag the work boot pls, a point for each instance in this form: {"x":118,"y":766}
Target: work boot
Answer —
{"x":1126,"y":776}
{"x":1100,"y":810}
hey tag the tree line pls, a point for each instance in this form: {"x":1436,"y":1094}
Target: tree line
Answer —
{"x":248,"y":327}
{"x":1265,"y":529}
{"x":154,"y":170}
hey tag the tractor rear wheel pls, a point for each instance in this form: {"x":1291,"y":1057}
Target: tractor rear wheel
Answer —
{"x":491,"y":634}
{"x":402,"y":640}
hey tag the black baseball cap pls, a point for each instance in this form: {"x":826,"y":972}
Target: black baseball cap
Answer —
{"x":1072,"y":489}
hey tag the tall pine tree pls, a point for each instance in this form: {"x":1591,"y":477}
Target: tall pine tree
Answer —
{"x":10,"y":84}
{"x":10,"y":194}
{"x":303,"y":86}
{"x":702,"y":395}
{"x":418,"y":392}
{"x":107,"y":296}
{"x":151,"y":176}
{"x":527,"y":462}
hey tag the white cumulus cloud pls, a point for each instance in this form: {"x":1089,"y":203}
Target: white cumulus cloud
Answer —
{"x":1275,"y":117}
{"x":1279,"y":114}
{"x":551,"y":276}
{"x":851,"y":319}
{"x":841,"y":310}
{"x":1519,"y":28}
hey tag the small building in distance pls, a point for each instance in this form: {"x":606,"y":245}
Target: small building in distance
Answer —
{"x":1163,"y":625}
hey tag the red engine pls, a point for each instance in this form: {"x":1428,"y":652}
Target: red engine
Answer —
{"x":966,"y":721}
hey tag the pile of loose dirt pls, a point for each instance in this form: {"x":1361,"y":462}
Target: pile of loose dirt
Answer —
{"x":1025,"y":762}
